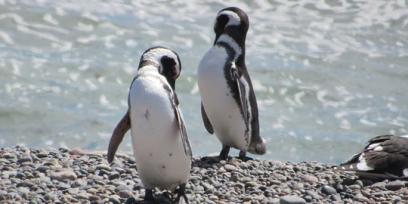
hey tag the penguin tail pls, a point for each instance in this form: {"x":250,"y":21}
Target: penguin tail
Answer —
{"x":257,"y":147}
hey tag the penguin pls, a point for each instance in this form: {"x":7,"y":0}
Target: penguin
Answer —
{"x":384,"y":157}
{"x":228,"y":103}
{"x":160,"y":144}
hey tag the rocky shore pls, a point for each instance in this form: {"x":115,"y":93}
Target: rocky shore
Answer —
{"x":73,"y":176}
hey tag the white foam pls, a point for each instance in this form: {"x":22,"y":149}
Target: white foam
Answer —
{"x":6,"y":38}
{"x":50,"y":19}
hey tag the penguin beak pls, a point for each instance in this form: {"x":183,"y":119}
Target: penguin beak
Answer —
{"x":117,"y":136}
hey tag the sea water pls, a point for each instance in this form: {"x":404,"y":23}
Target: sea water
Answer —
{"x":328,"y":74}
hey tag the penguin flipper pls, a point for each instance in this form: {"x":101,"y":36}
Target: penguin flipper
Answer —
{"x":206,"y":121}
{"x":117,"y":136}
{"x":243,"y":93}
{"x":249,"y":110}
{"x":181,"y":126}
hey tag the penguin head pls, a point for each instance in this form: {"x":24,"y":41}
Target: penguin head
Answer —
{"x":232,"y":21}
{"x":166,"y":60}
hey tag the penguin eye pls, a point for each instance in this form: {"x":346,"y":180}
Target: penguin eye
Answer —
{"x":170,"y":68}
{"x":220,"y":23}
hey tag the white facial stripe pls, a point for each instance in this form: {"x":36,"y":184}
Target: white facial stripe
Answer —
{"x":362,"y":164}
{"x":243,"y":80}
{"x":234,"y":19}
{"x":156,"y":54}
{"x":378,"y":148}
{"x":231,"y":42}
{"x":372,"y":146}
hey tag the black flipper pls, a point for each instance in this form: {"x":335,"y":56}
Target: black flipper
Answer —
{"x":206,"y":121}
{"x":181,"y":126}
{"x":117,"y":136}
{"x":242,"y":92}
{"x":243,"y":97}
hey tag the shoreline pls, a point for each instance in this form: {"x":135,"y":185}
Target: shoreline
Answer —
{"x":74,"y":176}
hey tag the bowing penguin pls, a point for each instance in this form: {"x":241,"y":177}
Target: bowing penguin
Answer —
{"x":229,"y":108}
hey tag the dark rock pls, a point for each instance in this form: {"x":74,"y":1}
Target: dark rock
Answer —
{"x":328,"y":190}
{"x":313,"y":194}
{"x":42,"y":169}
{"x":114,"y":175}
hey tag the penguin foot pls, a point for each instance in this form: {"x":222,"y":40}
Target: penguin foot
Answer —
{"x":149,"y":195}
{"x":242,"y":156}
{"x":224,"y":152}
{"x":181,"y":192}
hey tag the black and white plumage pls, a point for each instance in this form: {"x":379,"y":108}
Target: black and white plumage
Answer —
{"x":385,"y":156}
{"x":160,"y":144}
{"x":229,"y":108}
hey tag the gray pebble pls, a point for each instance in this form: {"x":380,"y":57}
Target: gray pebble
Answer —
{"x":115,"y":199}
{"x":230,"y":167}
{"x":290,"y":199}
{"x":395,"y":185}
{"x":310,"y":178}
{"x":64,"y":174}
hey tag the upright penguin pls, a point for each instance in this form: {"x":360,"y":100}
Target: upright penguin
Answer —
{"x":385,"y":156}
{"x":228,"y":105}
{"x":160,"y":144}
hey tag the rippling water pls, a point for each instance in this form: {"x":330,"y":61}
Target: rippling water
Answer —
{"x":328,"y":74}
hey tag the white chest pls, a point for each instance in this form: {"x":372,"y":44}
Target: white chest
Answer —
{"x":157,"y":144}
{"x":219,"y":104}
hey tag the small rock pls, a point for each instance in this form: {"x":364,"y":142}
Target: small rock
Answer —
{"x":73,"y":191}
{"x":42,"y":154}
{"x":208,"y":187}
{"x":115,"y":199}
{"x":76,"y":152}
{"x":251,"y":184}
{"x":104,"y":167}
{"x":230,"y":167}
{"x":114,"y":175}
{"x":26,"y":158}
{"x":25,"y":184}
{"x":310,"y":178}
{"x":64,"y":174}
{"x":83,"y":195}
{"x":355,"y":187}
{"x":23,"y":190}
{"x":328,"y":190}
{"x":313,"y":194}
{"x":290,"y":199}
{"x":395,"y":185}
{"x":42,"y":169}
{"x":361,"y":198}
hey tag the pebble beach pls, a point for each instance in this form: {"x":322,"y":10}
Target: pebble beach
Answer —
{"x":75,"y":176}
